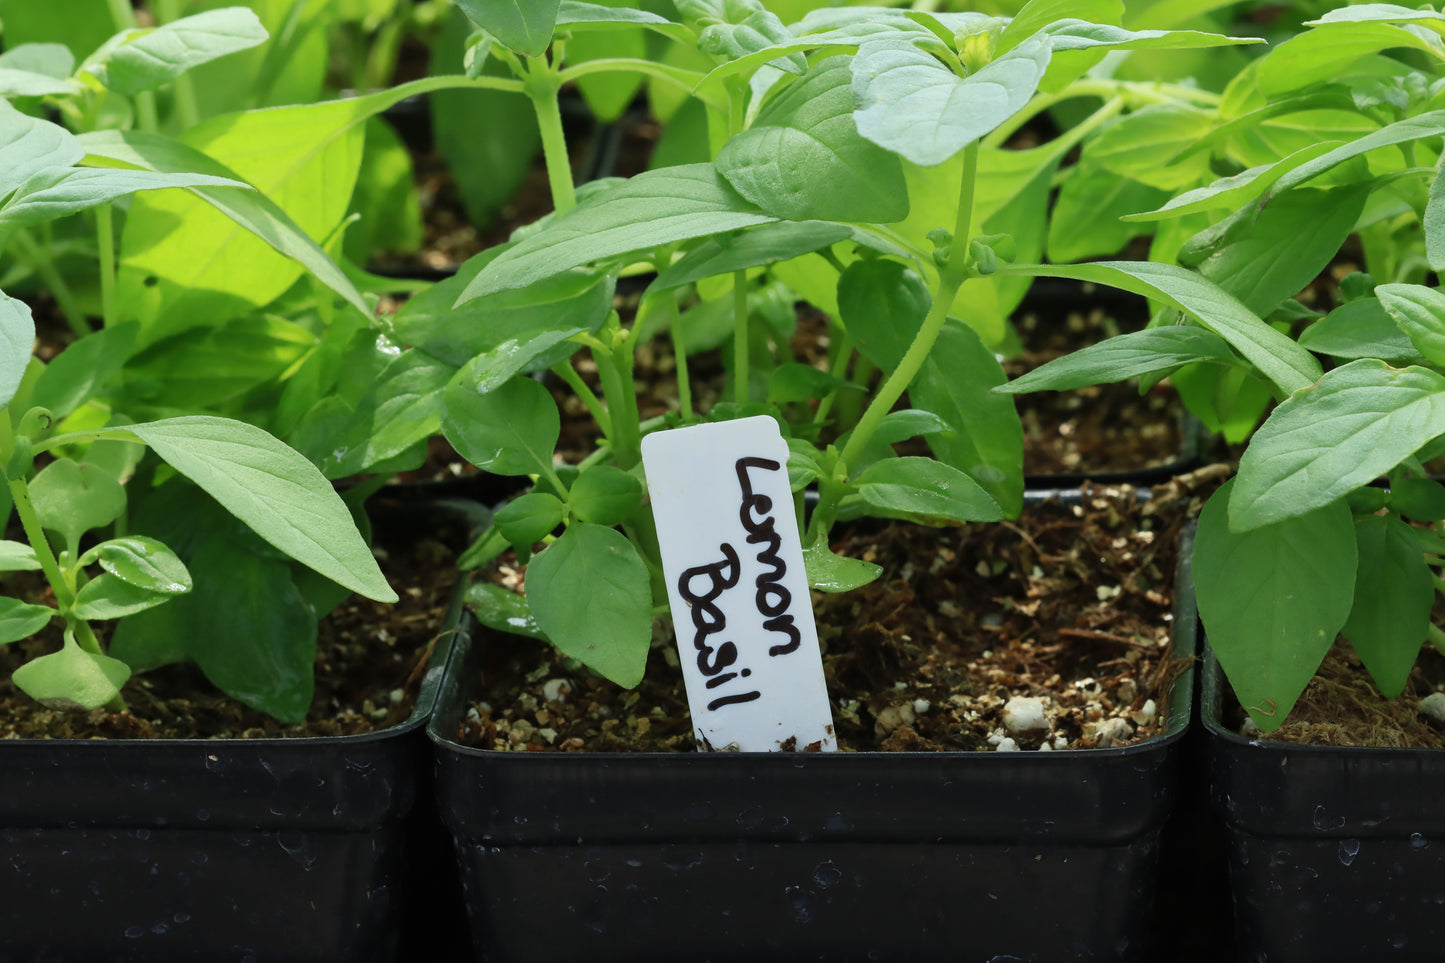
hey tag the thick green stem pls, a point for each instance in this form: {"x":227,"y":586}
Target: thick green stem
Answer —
{"x":105,"y":241}
{"x":30,"y":521}
{"x":950,"y":279}
{"x":541,"y":86}
{"x":615,"y":370}
{"x":35,"y":253}
{"x":741,"y":337}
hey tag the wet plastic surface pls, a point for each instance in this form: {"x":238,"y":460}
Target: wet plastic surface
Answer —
{"x":842,"y":856}
{"x":258,"y":850}
{"x":1335,"y":854}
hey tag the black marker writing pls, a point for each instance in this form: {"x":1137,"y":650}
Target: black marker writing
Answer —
{"x":708,"y":619}
{"x":771,"y":598}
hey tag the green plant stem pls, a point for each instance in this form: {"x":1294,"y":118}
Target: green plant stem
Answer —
{"x":187,"y":112}
{"x":838,"y":369}
{"x":121,"y":14}
{"x":34,"y":252}
{"x":679,"y":354}
{"x":565,"y":371}
{"x":1437,"y":637}
{"x":30,"y":521}
{"x":614,"y":367}
{"x":105,"y":241}
{"x":950,"y":279}
{"x":541,"y":85}
{"x":1108,"y":90}
{"x":741,"y":337}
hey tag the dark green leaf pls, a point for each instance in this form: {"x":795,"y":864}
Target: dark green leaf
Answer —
{"x":1273,"y":599}
{"x":109,"y":597}
{"x":758,"y":246}
{"x":1360,"y":329}
{"x":75,"y":375}
{"x":1278,"y":358}
{"x":788,"y":383}
{"x":503,"y":610}
{"x":803,"y":158}
{"x":590,"y":594}
{"x":1151,"y":351}
{"x":1089,"y":218}
{"x":1421,"y":499}
{"x":604,"y":495}
{"x":882,"y":304}
{"x":527,"y":519}
{"x":18,"y":557}
{"x":984,"y":437}
{"x":1361,"y":420}
{"x":1394,"y":591}
{"x":924,"y":490}
{"x":56,"y":192}
{"x":511,"y":430}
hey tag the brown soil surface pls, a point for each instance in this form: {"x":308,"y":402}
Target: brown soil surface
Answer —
{"x":1071,"y":606}
{"x":369,"y":662}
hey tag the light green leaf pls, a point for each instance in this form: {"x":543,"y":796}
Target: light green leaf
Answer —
{"x":18,"y":557}
{"x":1394,"y":592}
{"x":737,"y":251}
{"x":1320,"y":55}
{"x":984,"y":437}
{"x":183,"y":262}
{"x":1434,"y":220}
{"x":1152,"y":146}
{"x":589,"y":593}
{"x":59,"y":191}
{"x":511,"y":430}
{"x":72,"y":498}
{"x":732,"y":29}
{"x":29,"y":145}
{"x":910,"y":103}
{"x":1151,"y":351}
{"x":1360,"y":329}
{"x":107,"y":597}
{"x":20,"y":620}
{"x":37,"y":70}
{"x":1039,"y":15}
{"x":1089,"y":220}
{"x":1235,"y":190}
{"x":205,"y":367}
{"x":282,"y":497}
{"x":1273,"y":599}
{"x":145,"y":59}
{"x":650,"y":210}
{"x":924,"y":490}
{"x":1389,"y":12}
{"x":1277,"y":358}
{"x":17,"y":338}
{"x":1358,"y":422}
{"x":521,"y":25}
{"x":577,"y":16}
{"x":1081,"y":35}
{"x":1420,"y":313}
{"x":803,"y":158}
{"x":74,"y":376}
{"x":1419,"y":127}
{"x":141,"y":561}
{"x":250,"y":210}
{"x":837,"y":573}
{"x":72,"y":678}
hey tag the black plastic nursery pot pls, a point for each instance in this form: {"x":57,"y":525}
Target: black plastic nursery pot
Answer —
{"x":1038,"y":856}
{"x":1334,"y":853}
{"x":226,"y":849}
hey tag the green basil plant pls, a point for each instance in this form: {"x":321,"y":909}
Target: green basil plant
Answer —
{"x":839,"y":129}
{"x":1337,"y":138}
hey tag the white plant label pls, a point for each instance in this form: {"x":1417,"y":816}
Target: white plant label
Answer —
{"x":733,"y":560}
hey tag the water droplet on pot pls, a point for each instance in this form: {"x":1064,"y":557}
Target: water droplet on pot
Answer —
{"x":1349,"y":849}
{"x":1418,"y":841}
{"x":680,"y":861}
{"x":1323,"y":822}
{"x":134,"y":932}
{"x":826,"y":875}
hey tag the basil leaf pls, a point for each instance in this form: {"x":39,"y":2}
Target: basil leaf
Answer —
{"x":140,"y":60}
{"x":924,"y":490}
{"x":511,"y":430}
{"x":1394,"y":591}
{"x":17,"y":339}
{"x":522,"y":25}
{"x":1151,"y":351}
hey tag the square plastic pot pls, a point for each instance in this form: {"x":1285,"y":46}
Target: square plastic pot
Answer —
{"x":1335,"y":853}
{"x":228,"y":849}
{"x":809,"y":856}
